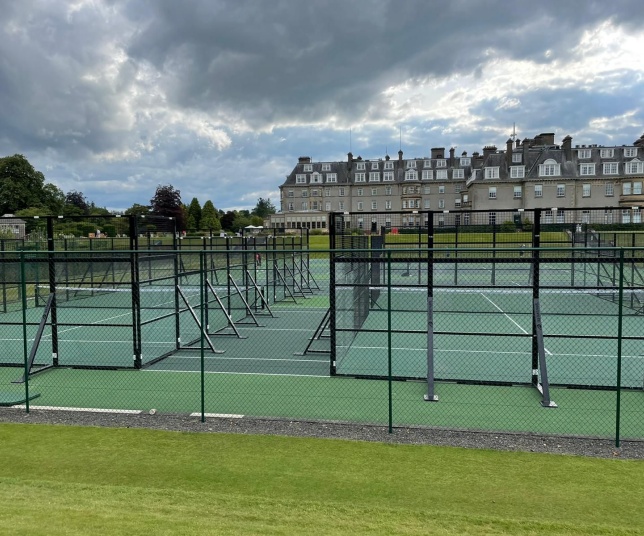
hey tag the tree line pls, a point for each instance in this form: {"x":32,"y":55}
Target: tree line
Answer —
{"x":25,"y":193}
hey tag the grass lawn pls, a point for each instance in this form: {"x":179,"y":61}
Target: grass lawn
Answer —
{"x":70,"y":480}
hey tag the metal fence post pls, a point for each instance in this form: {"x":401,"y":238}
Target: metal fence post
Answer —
{"x":620,"y":316}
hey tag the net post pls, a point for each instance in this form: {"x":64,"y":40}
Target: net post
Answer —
{"x":52,"y":288}
{"x":333,"y":218}
{"x":544,"y":386}
{"x":536,"y":282}
{"x":431,"y":395}
{"x":618,"y":394}
{"x":136,"y":297}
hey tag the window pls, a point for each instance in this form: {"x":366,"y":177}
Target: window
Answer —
{"x":491,"y":172}
{"x":308,"y":167}
{"x":341,"y":205}
{"x":491,"y":218}
{"x":300,"y":179}
{"x":341,"y":192}
{"x":290,"y":193}
{"x":326,"y":167}
{"x":587,"y":169}
{"x":426,"y":203}
{"x":327,"y":206}
{"x":411,"y":163}
{"x":441,"y":203}
{"x":517,"y":192}
{"x":517,"y":172}
{"x":314,"y":205}
{"x":327,"y":192}
{"x":464,"y":162}
{"x":305,"y":193}
{"x":305,"y":205}
{"x":387,"y":205}
{"x":360,"y":177}
{"x":360,"y":166}
{"x":538,"y":190}
{"x":637,"y":188}
{"x":441,"y":189}
{"x":389,"y":165}
{"x":388,"y":176}
{"x":360,"y":192}
{"x":404,"y":190}
{"x":549,"y":168}
{"x":374,"y":205}
{"x":427,"y":163}
{"x":606,"y":153}
{"x":374,"y":191}
{"x":411,"y":175}
{"x":428,"y":174}
{"x":561,"y":216}
{"x":547,"y":216}
{"x":634,"y":168}
{"x":610,"y":189}
{"x":426,"y":190}
{"x":458,"y":174}
{"x":374,"y":176}
{"x":374,"y":165}
{"x":637,"y":215}
{"x":441,"y":175}
{"x":290,"y":207}
{"x":387,"y":190}
{"x":626,"y":188}
{"x":610,"y":168}
{"x":316,"y":178}
{"x":583,"y":153}
{"x":315,"y":193}
{"x":561,"y":190}
{"x":517,"y":158}
{"x":441,"y":162}
{"x":360,"y":205}
{"x":457,"y":188}
{"x":630,"y":152}
{"x":404,"y":203}
{"x":585,"y":190}
{"x":491,"y":192}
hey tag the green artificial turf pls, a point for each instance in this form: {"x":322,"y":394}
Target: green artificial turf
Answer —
{"x":69,"y":480}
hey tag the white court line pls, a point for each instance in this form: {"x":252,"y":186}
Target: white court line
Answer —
{"x":220,"y":358}
{"x":510,"y":318}
{"x":219,"y":415}
{"x":90,"y":410}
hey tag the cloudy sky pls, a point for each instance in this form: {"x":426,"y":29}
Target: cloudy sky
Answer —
{"x":219,"y":97}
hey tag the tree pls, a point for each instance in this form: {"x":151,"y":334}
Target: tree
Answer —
{"x":75,"y":204}
{"x":53,"y":199}
{"x":167,"y":202}
{"x":227,"y":220}
{"x":21,"y":185}
{"x":263,"y":208}
{"x":240,"y":222}
{"x":194,"y":214}
{"x":210,"y":217}
{"x":138,"y":210}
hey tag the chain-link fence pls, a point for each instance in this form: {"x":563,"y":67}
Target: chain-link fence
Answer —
{"x":543,"y":340}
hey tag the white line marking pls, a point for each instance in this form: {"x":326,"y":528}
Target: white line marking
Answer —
{"x":150,"y":371}
{"x":91,"y":410}
{"x":221,"y":358}
{"x":219,"y":415}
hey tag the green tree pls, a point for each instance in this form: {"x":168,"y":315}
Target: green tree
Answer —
{"x":138,"y":210}
{"x":53,"y":199}
{"x":194,"y":214}
{"x":167,"y":202}
{"x":240,"y":222}
{"x":263,"y":208}
{"x":21,"y":186}
{"x":210,"y":217}
{"x":227,"y":220}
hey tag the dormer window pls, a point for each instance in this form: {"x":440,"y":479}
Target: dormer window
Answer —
{"x":411,"y":175}
{"x":634,"y":168}
{"x":411,"y":163}
{"x":427,"y":163}
{"x":517,"y":158}
{"x":606,"y":153}
{"x":374,"y":165}
{"x":441,"y":162}
{"x":389,"y":165}
{"x":326,"y":167}
{"x":491,"y":172}
{"x":549,"y":168}
{"x":360,"y":166}
{"x":300,"y":179}
{"x":458,"y":174}
{"x":587,"y":169}
{"x":465,"y":162}
{"x":583,"y":153}
{"x":308,"y":167}
{"x":630,"y":152}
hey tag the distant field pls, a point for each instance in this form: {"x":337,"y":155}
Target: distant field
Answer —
{"x":70,"y":480}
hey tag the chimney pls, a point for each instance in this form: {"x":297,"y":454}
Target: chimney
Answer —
{"x":349,"y":160}
{"x":438,"y":152}
{"x":451,"y":157}
{"x":400,"y":153}
{"x":639,"y":142}
{"x":547,"y":138}
{"x":567,"y":148}
{"x":526,"y":147}
{"x":508,"y":152}
{"x":304,"y":160}
{"x":488,"y":150}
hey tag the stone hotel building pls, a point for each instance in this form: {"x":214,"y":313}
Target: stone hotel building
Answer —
{"x":528,"y":174}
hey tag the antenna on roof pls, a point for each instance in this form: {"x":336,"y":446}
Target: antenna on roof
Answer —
{"x":350,"y":148}
{"x":513,"y":136}
{"x":401,"y":138}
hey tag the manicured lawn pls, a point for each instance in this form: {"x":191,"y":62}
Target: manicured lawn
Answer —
{"x":69,"y":480}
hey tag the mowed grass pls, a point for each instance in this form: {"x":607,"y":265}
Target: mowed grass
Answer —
{"x":71,"y":480}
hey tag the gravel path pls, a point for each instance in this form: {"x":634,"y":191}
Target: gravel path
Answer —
{"x":600,"y":448}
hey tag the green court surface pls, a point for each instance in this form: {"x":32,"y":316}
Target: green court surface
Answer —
{"x":263,"y":371}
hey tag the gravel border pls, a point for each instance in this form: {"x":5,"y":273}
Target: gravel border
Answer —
{"x":578,"y":446}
